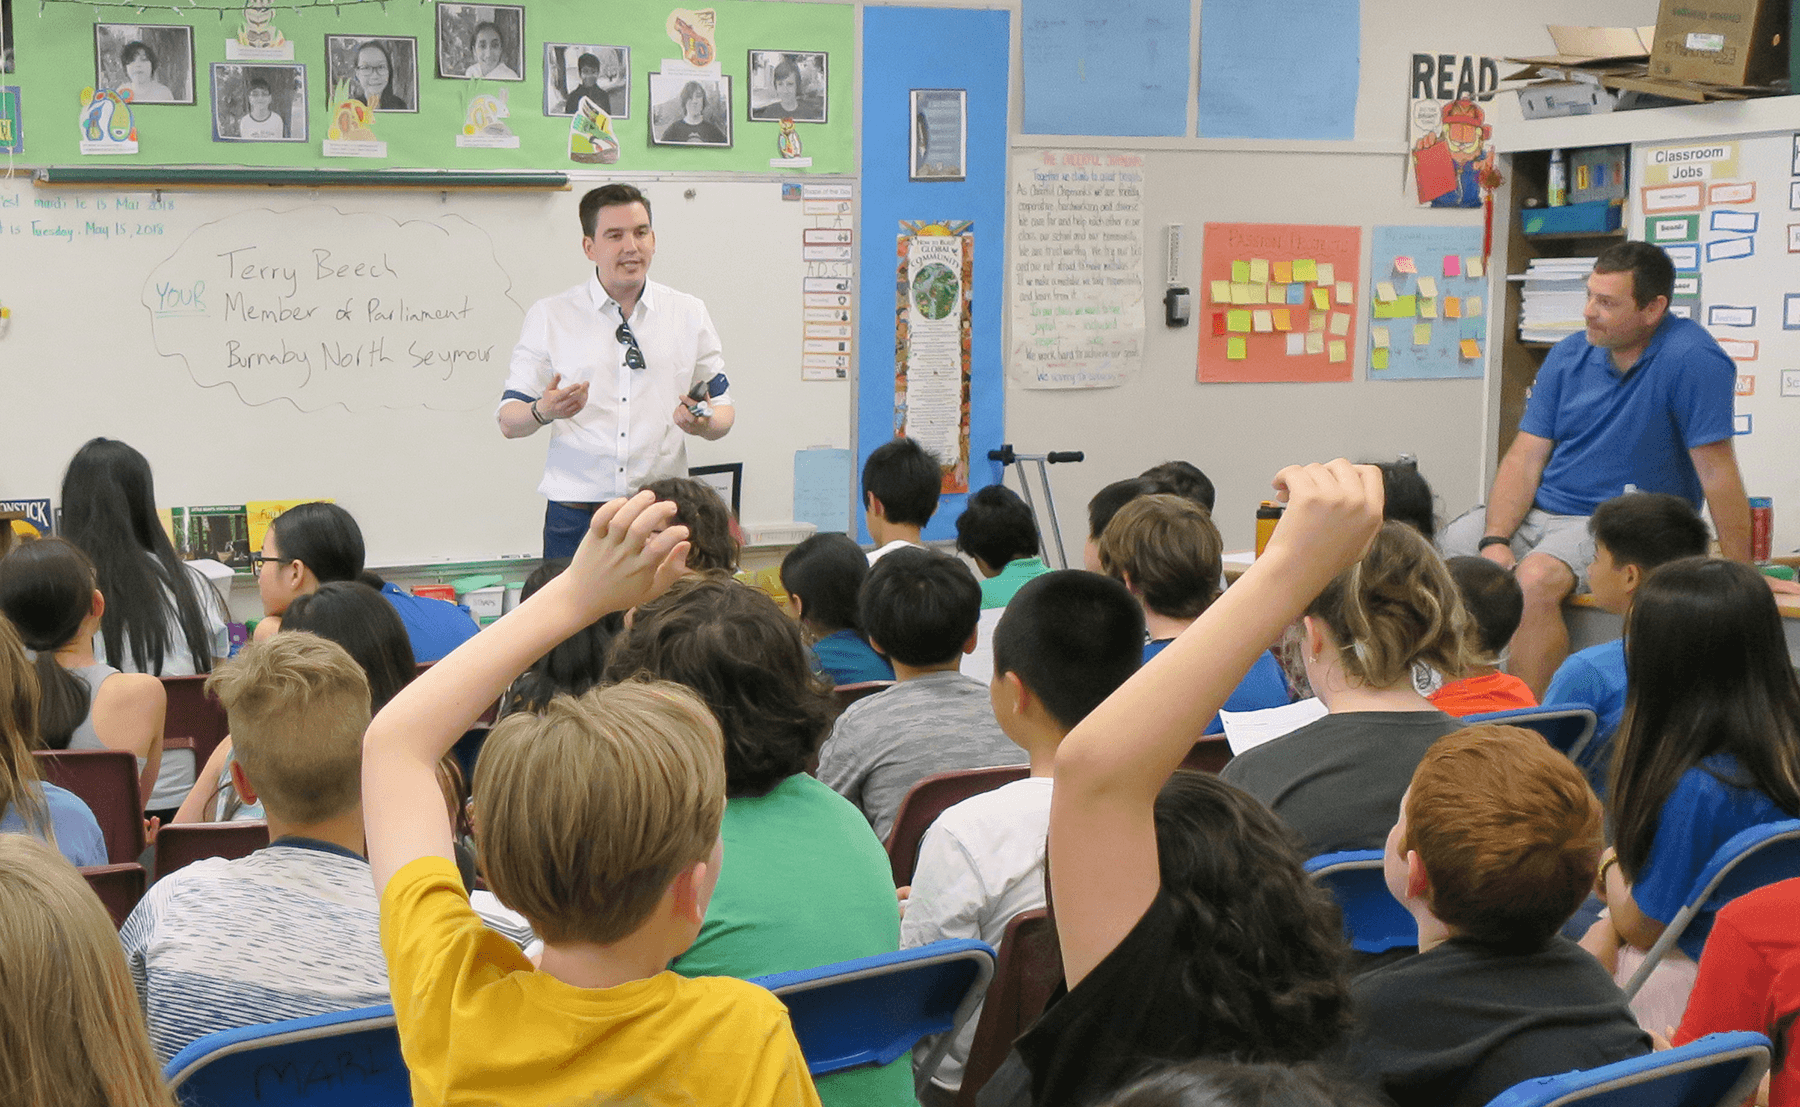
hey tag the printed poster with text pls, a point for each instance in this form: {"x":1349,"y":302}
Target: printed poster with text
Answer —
{"x":1077,"y":268}
{"x":1428,"y":303}
{"x":1280,"y":302}
{"x":1449,"y":127}
{"x":931,"y":342}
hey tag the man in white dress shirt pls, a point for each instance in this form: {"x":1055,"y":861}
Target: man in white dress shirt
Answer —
{"x":617,"y":334}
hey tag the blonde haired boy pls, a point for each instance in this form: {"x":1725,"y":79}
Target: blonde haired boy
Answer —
{"x":293,"y":929}
{"x":598,"y":822}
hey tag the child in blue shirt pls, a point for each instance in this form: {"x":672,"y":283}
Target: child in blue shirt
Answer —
{"x":821,"y":577}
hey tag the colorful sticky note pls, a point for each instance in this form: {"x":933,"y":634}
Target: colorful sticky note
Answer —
{"x":1421,"y":334}
{"x":1259,"y":292}
{"x":1406,"y":307}
{"x":1240,"y":272}
{"x":1340,"y":322}
{"x":1316,"y":323}
{"x":1234,"y":348}
{"x":1471,"y":349}
{"x":1427,"y":308}
{"x":1315,"y":343}
{"x":1380,"y":337}
{"x":1259,"y":271}
{"x":1345,"y":293}
{"x":1240,"y":292}
{"x":1385,"y":291}
{"x":1283,"y":320}
{"x":1306,"y":269}
{"x":1221,"y":292}
{"x":1405,"y":265}
{"x":1452,"y":265}
{"x":1218,"y":323}
{"x":1474,"y":266}
{"x":1321,"y":299}
{"x":1238,"y":321}
{"x":1452,"y":307}
{"x":1378,"y":359}
{"x":1325,"y":273}
{"x":1284,"y":272}
{"x":1472,"y":307}
{"x":1296,"y":344}
{"x":1261,"y":321}
{"x":1296,"y":294}
{"x":1427,"y":286}
{"x":1384,"y":309}
{"x":1339,"y":350}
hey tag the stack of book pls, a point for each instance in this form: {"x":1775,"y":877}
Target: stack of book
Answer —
{"x":1554,"y":296}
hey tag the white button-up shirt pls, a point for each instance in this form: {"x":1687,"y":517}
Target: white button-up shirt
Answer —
{"x":626,"y":435}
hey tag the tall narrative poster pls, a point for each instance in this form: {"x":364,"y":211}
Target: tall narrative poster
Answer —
{"x":931,"y":342}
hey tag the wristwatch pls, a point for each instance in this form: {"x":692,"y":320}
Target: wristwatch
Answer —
{"x":1493,"y":540}
{"x":541,"y":421}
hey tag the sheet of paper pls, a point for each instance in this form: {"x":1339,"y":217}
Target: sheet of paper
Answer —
{"x":1261,"y":321}
{"x":1296,"y":343}
{"x":1321,"y":299}
{"x":1237,"y":321}
{"x":1427,"y":286}
{"x":1245,"y":730}
{"x":1452,"y":265}
{"x":1346,"y":293}
{"x":1473,"y":266}
{"x":1281,"y":71}
{"x":1340,"y":323}
{"x":1284,"y":272}
{"x":1385,"y":291}
{"x":1452,"y":307}
{"x":1315,"y":343}
{"x":1472,"y":307}
{"x":1221,"y":292}
{"x":1062,"y":58}
{"x":1284,"y":320}
{"x":1380,"y":337}
{"x":1234,"y":348}
{"x":1240,"y":272}
{"x":1306,"y":269}
{"x":1259,"y":270}
{"x":1405,"y":264}
{"x":1428,"y":309}
{"x":1471,"y":349}
{"x":1378,"y":359}
{"x":821,"y":486}
{"x":1338,"y":350}
{"x":1421,"y":334}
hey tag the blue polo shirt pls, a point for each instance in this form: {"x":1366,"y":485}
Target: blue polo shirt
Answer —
{"x":435,"y":626}
{"x":1614,"y":429}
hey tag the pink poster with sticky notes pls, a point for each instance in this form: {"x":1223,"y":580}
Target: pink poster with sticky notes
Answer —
{"x":1313,"y":269}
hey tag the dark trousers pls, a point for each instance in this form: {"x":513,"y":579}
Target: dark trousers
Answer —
{"x":564,"y":524}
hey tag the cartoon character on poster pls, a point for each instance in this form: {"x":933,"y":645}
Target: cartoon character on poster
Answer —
{"x":695,"y":33}
{"x":258,"y":28}
{"x":1462,"y":142}
{"x":487,"y":115}
{"x":107,"y":126}
{"x":351,"y":119}
{"x":591,"y":138}
{"x":787,"y":143}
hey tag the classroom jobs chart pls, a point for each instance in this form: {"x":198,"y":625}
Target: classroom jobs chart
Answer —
{"x":1280,"y":302}
{"x":1428,"y":303}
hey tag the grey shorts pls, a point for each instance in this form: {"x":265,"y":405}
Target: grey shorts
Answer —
{"x":1564,"y":537}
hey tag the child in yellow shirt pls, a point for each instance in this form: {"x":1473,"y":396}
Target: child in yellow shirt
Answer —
{"x":599,"y":822}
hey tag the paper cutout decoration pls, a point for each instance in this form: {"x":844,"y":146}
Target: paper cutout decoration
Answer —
{"x":1452,"y":265}
{"x":787,"y":143}
{"x":351,"y":119}
{"x":1421,"y":334}
{"x":1235,"y":348}
{"x":1427,"y":286}
{"x":1221,"y":292}
{"x":695,"y":33}
{"x":484,"y":123}
{"x":1405,"y":265}
{"x":1339,"y":350}
{"x":1325,"y":273}
{"x":106,"y":123}
{"x":591,"y":137}
{"x":1471,"y":349}
{"x":12,"y":140}
{"x":258,"y":39}
{"x":1261,"y":321}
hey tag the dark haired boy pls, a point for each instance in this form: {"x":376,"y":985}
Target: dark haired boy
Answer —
{"x":1493,"y":600}
{"x":900,"y":485}
{"x":919,"y":610}
{"x":997,"y":530}
{"x":1066,"y":642}
{"x":1633,"y":534}
{"x":1497,"y":844}
{"x":1184,"y":479}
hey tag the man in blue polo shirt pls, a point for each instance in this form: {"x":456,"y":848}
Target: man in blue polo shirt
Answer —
{"x":1641,"y":400}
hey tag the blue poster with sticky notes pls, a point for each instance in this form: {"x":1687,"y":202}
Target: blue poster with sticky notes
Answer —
{"x":1428,"y":314}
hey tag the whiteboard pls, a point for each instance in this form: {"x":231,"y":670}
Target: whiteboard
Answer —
{"x":352,"y":345}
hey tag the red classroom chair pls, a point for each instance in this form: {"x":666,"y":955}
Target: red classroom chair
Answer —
{"x":1028,"y":971}
{"x":194,"y":720}
{"x":118,"y":886}
{"x":182,"y":844}
{"x":928,"y":799}
{"x":107,"y":781}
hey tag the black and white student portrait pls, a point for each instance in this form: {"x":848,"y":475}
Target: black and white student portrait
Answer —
{"x":258,"y":103}
{"x":481,"y":41}
{"x":155,"y":64}
{"x":788,"y":85}
{"x":573,"y":73}
{"x":380,"y":70}
{"x":690,"y":111}
{"x":6,"y":36}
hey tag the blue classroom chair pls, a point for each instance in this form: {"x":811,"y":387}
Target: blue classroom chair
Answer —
{"x":1569,"y":729}
{"x":1719,"y":1070}
{"x":345,"y":1059}
{"x":872,"y":1010}
{"x":1758,"y":856}
{"x":1374,"y":921}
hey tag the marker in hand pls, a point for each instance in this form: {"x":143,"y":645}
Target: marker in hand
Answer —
{"x":704,"y":391}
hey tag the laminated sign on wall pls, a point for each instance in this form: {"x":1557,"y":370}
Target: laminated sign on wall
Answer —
{"x":1448,"y":128}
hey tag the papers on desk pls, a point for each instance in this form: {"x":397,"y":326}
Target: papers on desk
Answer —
{"x":1553,"y":299}
{"x":1245,"y":730}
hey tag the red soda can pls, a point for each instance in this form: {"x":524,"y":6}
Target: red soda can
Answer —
{"x":1762,"y":527}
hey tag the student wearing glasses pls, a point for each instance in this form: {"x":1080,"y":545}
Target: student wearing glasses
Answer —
{"x":617,"y":334}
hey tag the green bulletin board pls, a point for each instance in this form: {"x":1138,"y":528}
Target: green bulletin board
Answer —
{"x":55,"y":45}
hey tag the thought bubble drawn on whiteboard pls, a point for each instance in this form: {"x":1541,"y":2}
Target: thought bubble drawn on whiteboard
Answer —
{"x":324,"y":308}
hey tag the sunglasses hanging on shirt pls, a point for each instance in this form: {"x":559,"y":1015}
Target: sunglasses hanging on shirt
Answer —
{"x":634,"y":357}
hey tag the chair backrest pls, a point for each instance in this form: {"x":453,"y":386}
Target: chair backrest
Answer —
{"x":846,"y":694}
{"x":928,"y":799}
{"x":1752,"y":858}
{"x":182,"y":844}
{"x":1027,"y":972}
{"x":1209,"y":755}
{"x":118,"y":886}
{"x":193,"y":719}
{"x":873,"y":1009}
{"x":1374,"y":921}
{"x":347,"y":1057}
{"x":107,"y":781}
{"x":1569,"y":729}
{"x":1719,"y":1070}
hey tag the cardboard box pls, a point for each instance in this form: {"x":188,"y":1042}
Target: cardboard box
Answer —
{"x":1721,"y":42}
{"x":1553,"y":99}
{"x":1588,"y":48}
